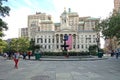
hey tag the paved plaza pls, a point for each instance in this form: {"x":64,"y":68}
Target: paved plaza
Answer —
{"x":56,"y":69}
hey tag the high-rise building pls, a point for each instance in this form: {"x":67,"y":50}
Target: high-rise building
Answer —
{"x":38,"y":22}
{"x":23,"y":32}
{"x":116,"y":5}
{"x":50,"y":35}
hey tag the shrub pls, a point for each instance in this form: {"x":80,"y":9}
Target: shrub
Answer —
{"x":64,"y":53}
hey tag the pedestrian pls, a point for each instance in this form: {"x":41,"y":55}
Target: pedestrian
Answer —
{"x":16,"y":59}
{"x":117,"y":54}
{"x":112,"y":53}
{"x":24,"y":55}
{"x":29,"y":54}
{"x":9,"y":55}
{"x":5,"y":55}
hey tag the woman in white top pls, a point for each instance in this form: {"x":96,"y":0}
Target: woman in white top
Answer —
{"x":16,"y":59}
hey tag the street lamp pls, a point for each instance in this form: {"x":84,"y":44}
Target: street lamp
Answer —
{"x":32,"y":45}
{"x":100,"y":54}
{"x":88,"y":40}
{"x":97,"y":40}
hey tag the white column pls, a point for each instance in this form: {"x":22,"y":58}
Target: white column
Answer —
{"x":72,"y":41}
{"x":76,"y":44}
{"x":59,"y":41}
{"x":54,"y":47}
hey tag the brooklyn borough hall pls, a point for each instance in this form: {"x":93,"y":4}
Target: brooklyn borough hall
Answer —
{"x":50,"y":35}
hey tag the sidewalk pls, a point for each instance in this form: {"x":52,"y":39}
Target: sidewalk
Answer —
{"x":106,"y":68}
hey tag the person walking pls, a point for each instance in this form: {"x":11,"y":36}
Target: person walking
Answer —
{"x":117,"y":54}
{"x":29,"y":54}
{"x":24,"y":55}
{"x":16,"y":59}
{"x":112,"y":53}
{"x":5,"y":55}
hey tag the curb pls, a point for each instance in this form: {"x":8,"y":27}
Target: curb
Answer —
{"x":68,"y":59}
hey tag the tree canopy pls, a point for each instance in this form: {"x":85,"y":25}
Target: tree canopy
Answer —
{"x":19,"y":44}
{"x":3,"y":45}
{"x":4,"y":11}
{"x":110,"y":27}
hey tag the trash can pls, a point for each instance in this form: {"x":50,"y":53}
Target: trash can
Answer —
{"x":100,"y":54}
{"x":37,"y":56}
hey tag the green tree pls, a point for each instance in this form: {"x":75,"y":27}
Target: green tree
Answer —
{"x":23,"y":44}
{"x":4,"y":11}
{"x":93,"y":49}
{"x":114,"y":25}
{"x":97,"y":29}
{"x":19,"y":44}
{"x":110,"y":25}
{"x":110,"y":28}
{"x":3,"y":45}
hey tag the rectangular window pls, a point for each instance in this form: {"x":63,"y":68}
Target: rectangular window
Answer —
{"x":57,"y":46}
{"x":89,"y":35}
{"x":86,"y":47}
{"x":81,"y":40}
{"x":45,"y":46}
{"x":57,"y":40}
{"x":61,"y":41}
{"x":53,"y":40}
{"x":74,"y":46}
{"x":90,"y":41}
{"x":82,"y":46}
{"x":45,"y":40}
{"x":94,"y":40}
{"x":49,"y":40}
{"x":37,"y":40}
{"x":49,"y":46}
{"x":78,"y":46}
{"x":41,"y":40}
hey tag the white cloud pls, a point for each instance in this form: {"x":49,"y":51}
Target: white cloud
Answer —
{"x":16,"y":20}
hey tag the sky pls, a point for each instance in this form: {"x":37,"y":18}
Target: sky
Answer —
{"x":20,"y":9}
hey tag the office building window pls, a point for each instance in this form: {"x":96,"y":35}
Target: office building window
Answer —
{"x":74,"y":46}
{"x":45,"y":46}
{"x":78,"y":46}
{"x":49,"y":40}
{"x":53,"y":40}
{"x":37,"y":40}
{"x":45,"y":40}
{"x":82,"y":46}
{"x":57,"y":46}
{"x":49,"y":46}
{"x":41,"y":40}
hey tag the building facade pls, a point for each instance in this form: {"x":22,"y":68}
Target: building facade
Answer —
{"x":116,"y":5}
{"x":23,"y":32}
{"x":50,"y":35}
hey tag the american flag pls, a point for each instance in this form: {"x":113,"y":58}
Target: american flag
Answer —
{"x":69,"y":42}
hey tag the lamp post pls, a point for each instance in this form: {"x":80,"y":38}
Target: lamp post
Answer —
{"x":97,"y":40}
{"x":88,"y":40}
{"x":32,"y":45}
{"x":100,"y":54}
